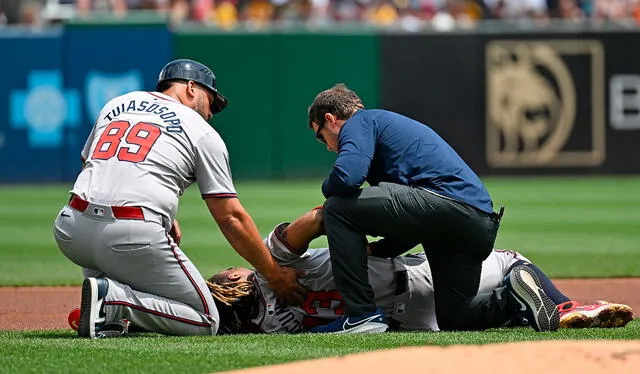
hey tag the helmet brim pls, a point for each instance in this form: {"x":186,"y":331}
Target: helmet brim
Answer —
{"x":219,"y":103}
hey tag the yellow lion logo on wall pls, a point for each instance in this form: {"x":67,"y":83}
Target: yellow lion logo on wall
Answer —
{"x":531,"y":102}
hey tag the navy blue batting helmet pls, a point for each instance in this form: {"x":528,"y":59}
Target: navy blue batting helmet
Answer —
{"x":189,"y":70}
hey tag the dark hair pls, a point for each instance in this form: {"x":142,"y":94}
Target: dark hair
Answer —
{"x":237,"y":305}
{"x":338,"y":100}
{"x":165,"y":85}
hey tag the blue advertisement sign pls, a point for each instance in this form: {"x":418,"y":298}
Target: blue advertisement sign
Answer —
{"x":55,"y":84}
{"x":37,"y":107}
{"x":105,"y":61}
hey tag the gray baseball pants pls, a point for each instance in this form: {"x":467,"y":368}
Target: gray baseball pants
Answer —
{"x":152,"y":283}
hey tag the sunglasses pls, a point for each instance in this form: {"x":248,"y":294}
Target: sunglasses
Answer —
{"x":319,"y":136}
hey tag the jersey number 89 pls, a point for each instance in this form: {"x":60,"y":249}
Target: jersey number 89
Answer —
{"x":140,"y":138}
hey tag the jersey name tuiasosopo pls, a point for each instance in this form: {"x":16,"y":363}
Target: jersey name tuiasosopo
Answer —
{"x":167,"y":116}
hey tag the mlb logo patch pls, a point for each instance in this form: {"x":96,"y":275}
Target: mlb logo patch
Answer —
{"x":98,"y":212}
{"x":400,"y":308}
{"x":270,"y":309}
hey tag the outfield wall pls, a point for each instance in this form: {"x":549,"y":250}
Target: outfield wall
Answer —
{"x":510,"y":102}
{"x":270,"y":79}
{"x":523,"y":103}
{"x":54,"y":84}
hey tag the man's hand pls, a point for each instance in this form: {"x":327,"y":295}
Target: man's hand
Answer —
{"x":175,"y":232}
{"x":286,"y":287}
{"x":241,"y":232}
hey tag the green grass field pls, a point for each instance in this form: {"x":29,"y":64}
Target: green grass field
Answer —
{"x":61,"y":351}
{"x":571,"y":227}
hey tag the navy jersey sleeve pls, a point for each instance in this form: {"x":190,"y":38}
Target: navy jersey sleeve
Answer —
{"x":356,"y":144}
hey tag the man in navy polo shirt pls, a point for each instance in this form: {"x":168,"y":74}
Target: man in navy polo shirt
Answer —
{"x":421,"y":192}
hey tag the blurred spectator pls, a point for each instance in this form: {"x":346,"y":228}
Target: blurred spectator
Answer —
{"x":517,"y":8}
{"x":86,"y":7}
{"x":179,"y":11}
{"x":612,"y":9}
{"x":3,"y":18}
{"x":569,"y":10}
{"x":10,"y":10}
{"x":202,"y":10}
{"x":320,"y":13}
{"x":259,"y":14}
{"x":294,"y":11}
{"x":30,"y":14}
{"x":411,"y":19}
{"x":225,"y":14}
{"x":635,"y":11}
{"x":346,"y":10}
{"x":382,"y":13}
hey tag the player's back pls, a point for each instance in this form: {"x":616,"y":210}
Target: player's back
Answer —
{"x":142,"y":151}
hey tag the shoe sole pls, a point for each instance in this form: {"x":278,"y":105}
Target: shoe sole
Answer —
{"x":527,"y":288}
{"x":88,"y":310}
{"x":367,"y":328}
{"x":605,"y":316}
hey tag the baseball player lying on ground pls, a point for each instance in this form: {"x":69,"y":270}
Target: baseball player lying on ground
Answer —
{"x":402,"y":285}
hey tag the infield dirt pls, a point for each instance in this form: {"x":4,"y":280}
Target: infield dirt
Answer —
{"x":32,"y":308}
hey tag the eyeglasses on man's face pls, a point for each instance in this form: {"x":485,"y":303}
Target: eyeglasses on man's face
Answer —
{"x":319,"y":136}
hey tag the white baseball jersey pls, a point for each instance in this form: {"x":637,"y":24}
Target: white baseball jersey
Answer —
{"x":145,"y":149}
{"x":402,"y":286}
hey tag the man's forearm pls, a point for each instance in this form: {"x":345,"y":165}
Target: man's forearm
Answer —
{"x":244,"y":237}
{"x":299,"y":233}
{"x":346,"y":177}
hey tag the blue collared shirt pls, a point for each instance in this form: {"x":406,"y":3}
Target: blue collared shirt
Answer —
{"x":381,"y":146}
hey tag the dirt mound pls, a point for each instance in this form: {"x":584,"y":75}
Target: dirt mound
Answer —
{"x":585,"y":357}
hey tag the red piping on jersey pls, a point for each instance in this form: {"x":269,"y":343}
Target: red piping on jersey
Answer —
{"x":227,"y":195}
{"x":163,"y":98}
{"x":278,"y":232}
{"x":515,"y":254}
{"x":160,"y":314}
{"x":175,"y":254}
